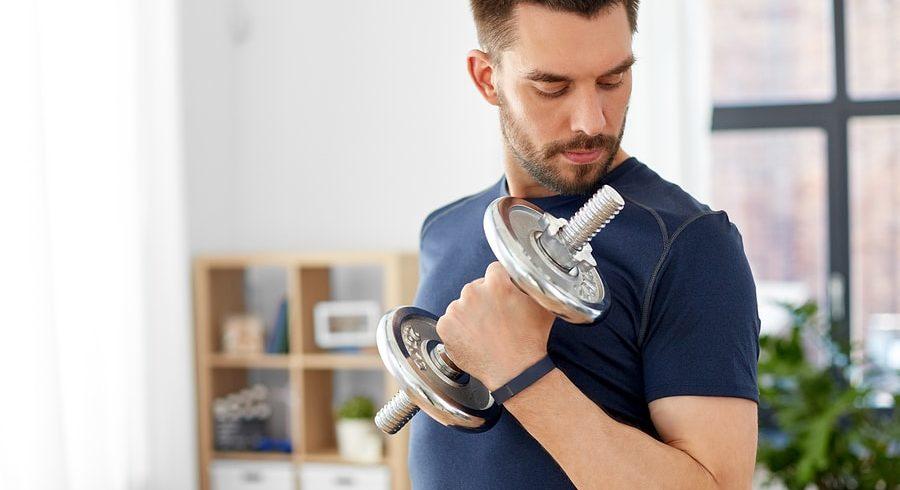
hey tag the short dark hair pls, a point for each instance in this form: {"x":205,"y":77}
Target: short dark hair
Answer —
{"x":493,"y":18}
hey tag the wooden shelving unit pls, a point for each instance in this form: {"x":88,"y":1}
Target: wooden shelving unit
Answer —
{"x":219,"y":291}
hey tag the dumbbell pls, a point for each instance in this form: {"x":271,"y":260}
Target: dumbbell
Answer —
{"x":548,"y":258}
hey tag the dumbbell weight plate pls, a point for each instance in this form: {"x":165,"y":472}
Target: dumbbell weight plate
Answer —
{"x":512,"y":227}
{"x":405,"y":337}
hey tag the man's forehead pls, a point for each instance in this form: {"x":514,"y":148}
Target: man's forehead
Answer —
{"x":567,"y":43}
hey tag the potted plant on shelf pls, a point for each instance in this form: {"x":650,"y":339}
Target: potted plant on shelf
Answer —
{"x":818,"y":426}
{"x":357,"y":437}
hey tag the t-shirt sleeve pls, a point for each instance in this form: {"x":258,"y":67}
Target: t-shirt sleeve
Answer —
{"x":702,"y":330}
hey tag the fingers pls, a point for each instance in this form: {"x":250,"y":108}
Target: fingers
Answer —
{"x":470,"y":288}
{"x":448,"y":325}
{"x":496,"y":274}
{"x":494,"y":268}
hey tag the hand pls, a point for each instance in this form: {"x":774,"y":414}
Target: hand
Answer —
{"x":494,"y":331}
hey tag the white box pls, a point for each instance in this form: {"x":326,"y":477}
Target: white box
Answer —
{"x":322,"y":476}
{"x":251,"y":475}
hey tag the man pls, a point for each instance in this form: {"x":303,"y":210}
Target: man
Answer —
{"x":662,"y":392}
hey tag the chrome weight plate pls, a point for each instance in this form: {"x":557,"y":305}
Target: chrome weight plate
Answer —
{"x":512,"y":227}
{"x":406,"y":337}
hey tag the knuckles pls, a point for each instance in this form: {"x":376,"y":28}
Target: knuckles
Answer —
{"x":494,"y":269}
{"x":497,"y":277}
{"x":441,"y":327}
{"x":452,"y":309}
{"x":467,"y":290}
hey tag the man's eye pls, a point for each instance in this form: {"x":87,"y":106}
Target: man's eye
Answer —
{"x":613,"y":82}
{"x":552,"y":95}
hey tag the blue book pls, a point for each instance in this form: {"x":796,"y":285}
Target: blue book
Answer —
{"x":278,"y":341}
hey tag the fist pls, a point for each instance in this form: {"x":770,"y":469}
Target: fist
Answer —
{"x":494,"y":331}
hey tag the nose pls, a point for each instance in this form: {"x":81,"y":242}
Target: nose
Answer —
{"x":587,"y":113}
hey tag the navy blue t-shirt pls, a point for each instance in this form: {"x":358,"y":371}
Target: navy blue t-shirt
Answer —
{"x":683,"y":321}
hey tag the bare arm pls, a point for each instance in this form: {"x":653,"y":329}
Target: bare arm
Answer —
{"x":710,"y":442}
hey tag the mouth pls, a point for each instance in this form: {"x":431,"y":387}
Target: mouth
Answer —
{"x":582,"y":157}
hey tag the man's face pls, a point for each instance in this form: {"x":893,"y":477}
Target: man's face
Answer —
{"x":563,"y":91}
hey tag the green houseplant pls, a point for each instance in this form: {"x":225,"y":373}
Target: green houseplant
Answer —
{"x":358,"y":407}
{"x":357,"y":437}
{"x":817,"y":426}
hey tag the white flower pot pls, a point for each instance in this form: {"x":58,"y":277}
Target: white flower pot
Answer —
{"x":359,"y":441}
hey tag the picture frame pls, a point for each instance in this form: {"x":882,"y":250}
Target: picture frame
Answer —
{"x":345,"y":324}
{"x":243,"y":334}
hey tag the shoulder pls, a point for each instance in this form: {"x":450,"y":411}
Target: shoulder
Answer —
{"x":701,"y":255}
{"x":707,"y":231}
{"x":671,"y":207}
{"x":451,"y":213}
{"x":708,"y":251}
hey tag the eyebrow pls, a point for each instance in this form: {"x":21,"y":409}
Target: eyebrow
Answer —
{"x":547,"y":77}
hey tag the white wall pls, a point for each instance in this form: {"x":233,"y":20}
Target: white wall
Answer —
{"x":208,"y":113}
{"x":329,"y":125}
{"x":671,"y":105}
{"x":340,"y":125}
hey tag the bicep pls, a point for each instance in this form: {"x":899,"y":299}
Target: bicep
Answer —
{"x":720,"y":433}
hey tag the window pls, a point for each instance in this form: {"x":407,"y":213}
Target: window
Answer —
{"x":806,"y":158}
{"x":759,"y":50}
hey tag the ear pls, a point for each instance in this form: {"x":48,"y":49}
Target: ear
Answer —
{"x":482,"y":73}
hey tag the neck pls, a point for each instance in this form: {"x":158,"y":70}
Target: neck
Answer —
{"x":521,"y":184}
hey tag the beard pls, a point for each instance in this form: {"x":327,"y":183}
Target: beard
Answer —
{"x":538,"y":162}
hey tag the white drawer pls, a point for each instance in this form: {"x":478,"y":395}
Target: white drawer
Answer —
{"x":322,"y":476}
{"x":251,"y":475}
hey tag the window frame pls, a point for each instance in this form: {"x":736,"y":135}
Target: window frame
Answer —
{"x":832,"y":116}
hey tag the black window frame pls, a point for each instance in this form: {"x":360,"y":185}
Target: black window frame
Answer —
{"x":833,"y":117}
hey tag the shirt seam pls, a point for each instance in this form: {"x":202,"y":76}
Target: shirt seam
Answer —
{"x":657,"y":270}
{"x":664,"y":391}
{"x":659,"y":220}
{"x":662,"y":229}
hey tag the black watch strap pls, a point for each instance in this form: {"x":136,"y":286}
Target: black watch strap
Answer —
{"x":525,"y":379}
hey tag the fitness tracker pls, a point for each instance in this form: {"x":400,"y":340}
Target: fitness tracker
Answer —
{"x":525,"y":379}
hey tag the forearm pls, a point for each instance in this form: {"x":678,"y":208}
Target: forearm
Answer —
{"x":594,"y":450}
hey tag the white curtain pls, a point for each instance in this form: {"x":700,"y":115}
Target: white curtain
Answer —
{"x":95,"y":327}
{"x":671,"y":104}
